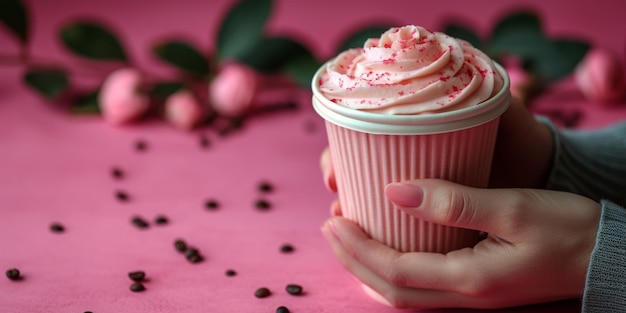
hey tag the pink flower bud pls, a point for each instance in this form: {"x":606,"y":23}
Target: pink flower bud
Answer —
{"x":600,"y":76}
{"x":120,"y":99}
{"x":233,"y":89}
{"x":183,"y":110}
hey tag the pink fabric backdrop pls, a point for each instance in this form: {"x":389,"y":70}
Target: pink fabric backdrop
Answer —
{"x":56,"y":168}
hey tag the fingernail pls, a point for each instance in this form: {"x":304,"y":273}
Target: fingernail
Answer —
{"x":328,"y":229}
{"x":332,"y":228}
{"x":329,"y":180}
{"x":403,"y":194}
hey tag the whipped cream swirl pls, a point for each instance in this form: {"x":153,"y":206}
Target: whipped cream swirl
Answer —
{"x":411,"y":70}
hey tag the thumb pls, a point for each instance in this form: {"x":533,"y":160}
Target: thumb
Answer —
{"x":447,"y":203}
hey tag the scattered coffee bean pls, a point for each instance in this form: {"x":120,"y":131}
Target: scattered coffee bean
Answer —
{"x":122,"y":196}
{"x":236,"y":122}
{"x":230,"y":272}
{"x":262,"y":293}
{"x":140,"y":222}
{"x":195,"y":258}
{"x":286,"y":248}
{"x":204,"y":142}
{"x":141,"y":145}
{"x":117,"y":173}
{"x":57,"y":228}
{"x":262,"y":204}
{"x":13,"y":274}
{"x":180,"y":245}
{"x":282,"y":309}
{"x":310,"y":127}
{"x":193,"y":255}
{"x":191,"y":251}
{"x":161,"y":220}
{"x":137,"y":275}
{"x":266,"y":187}
{"x":211,"y":204}
{"x":137,"y":286}
{"x":294,"y":289}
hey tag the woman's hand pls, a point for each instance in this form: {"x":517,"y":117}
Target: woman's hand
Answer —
{"x":523,"y":153}
{"x":537,"y":249}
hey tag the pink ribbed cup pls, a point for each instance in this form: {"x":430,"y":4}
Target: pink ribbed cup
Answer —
{"x":371,"y":150}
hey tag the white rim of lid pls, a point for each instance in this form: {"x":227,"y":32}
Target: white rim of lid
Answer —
{"x":427,"y":123}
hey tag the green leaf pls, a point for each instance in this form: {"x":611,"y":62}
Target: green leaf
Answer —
{"x":302,"y":69}
{"x":183,"y":56}
{"x":519,"y":34}
{"x":358,"y":38}
{"x":271,"y":54}
{"x":526,"y":21}
{"x":94,"y":41}
{"x":242,"y":27}
{"x":463,"y":32}
{"x":86,"y":103}
{"x":162,"y":90}
{"x":567,"y":54}
{"x":50,"y":82}
{"x":13,"y":14}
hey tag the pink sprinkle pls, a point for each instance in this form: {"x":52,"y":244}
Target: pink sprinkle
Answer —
{"x":444,"y":78}
{"x":401,"y":93}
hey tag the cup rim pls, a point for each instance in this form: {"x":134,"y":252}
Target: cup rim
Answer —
{"x":377,"y":123}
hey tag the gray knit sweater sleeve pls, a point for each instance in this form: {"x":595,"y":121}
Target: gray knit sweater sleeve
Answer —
{"x":593,"y":164}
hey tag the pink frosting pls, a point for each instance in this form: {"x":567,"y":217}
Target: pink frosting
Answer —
{"x":411,"y":70}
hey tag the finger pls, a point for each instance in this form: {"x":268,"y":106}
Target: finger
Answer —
{"x":513,"y":166}
{"x":386,"y":292}
{"x":446,"y":203}
{"x":417,"y":270}
{"x":335,"y":209}
{"x":328,"y":171}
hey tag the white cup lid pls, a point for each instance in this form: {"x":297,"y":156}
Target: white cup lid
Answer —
{"x":388,"y":124}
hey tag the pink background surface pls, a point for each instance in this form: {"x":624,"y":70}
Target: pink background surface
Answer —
{"x":56,"y":168}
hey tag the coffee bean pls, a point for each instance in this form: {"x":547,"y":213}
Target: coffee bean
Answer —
{"x":194,"y":258}
{"x":140,"y":222}
{"x":161,"y":220}
{"x":13,"y":274}
{"x":117,"y":173}
{"x":286,"y":248}
{"x":262,"y":293}
{"x":204,"y":142}
{"x":193,"y":255}
{"x":230,"y":272}
{"x":294,"y":289}
{"x":180,"y":245}
{"x":262,"y":204}
{"x":191,"y":251}
{"x":282,"y":309}
{"x":137,"y":275}
{"x":266,"y":187}
{"x":57,"y":228}
{"x":137,"y":287}
{"x":141,"y":145}
{"x":211,"y":204}
{"x":310,"y":127}
{"x":122,"y":196}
